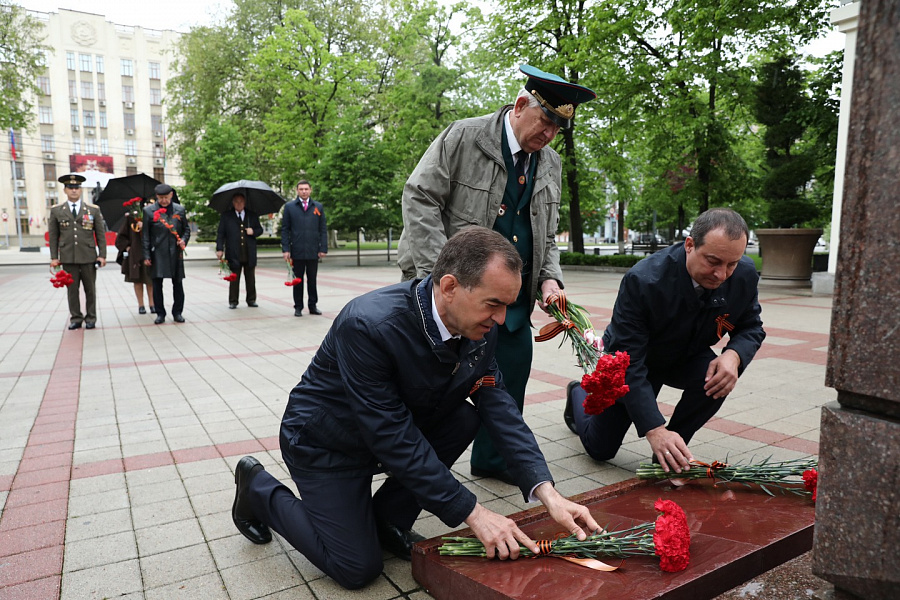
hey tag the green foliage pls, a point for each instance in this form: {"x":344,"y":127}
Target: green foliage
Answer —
{"x":21,"y":61}
{"x":603,"y":260}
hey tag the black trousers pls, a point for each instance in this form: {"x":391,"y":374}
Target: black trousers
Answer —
{"x":602,"y":434}
{"x":177,"y":296}
{"x":234,"y":287}
{"x":332,"y":523}
{"x":306,"y":270}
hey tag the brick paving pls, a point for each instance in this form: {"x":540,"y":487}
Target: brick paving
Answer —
{"x":117,"y":445}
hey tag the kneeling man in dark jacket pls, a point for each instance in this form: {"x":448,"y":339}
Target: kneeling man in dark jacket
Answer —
{"x":387,"y":392}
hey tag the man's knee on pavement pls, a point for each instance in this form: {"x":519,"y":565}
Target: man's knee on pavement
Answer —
{"x":356,"y":576}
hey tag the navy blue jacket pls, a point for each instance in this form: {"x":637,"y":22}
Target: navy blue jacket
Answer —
{"x":659,"y":320}
{"x":304,"y":233}
{"x":381,"y":372}
{"x":230,"y":233}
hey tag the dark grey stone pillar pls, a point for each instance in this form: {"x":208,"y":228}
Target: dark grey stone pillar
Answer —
{"x":858,"y":510}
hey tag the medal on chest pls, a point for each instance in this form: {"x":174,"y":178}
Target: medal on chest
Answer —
{"x":502,"y":210}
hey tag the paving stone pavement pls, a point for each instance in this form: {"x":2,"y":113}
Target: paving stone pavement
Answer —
{"x":117,"y":445}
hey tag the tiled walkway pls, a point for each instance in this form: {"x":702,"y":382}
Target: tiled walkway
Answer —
{"x":117,"y":445}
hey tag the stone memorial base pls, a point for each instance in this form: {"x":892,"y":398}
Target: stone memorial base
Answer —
{"x":736,"y":534}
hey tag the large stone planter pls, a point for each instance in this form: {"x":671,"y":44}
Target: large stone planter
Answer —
{"x":787,"y":255}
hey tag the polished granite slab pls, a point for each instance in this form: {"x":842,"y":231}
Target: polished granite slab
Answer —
{"x":736,"y":534}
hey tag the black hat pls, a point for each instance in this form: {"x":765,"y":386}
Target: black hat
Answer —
{"x":163,"y":188}
{"x":71,"y":180}
{"x":558,"y":98}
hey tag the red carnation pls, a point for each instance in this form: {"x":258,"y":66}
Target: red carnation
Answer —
{"x":293,"y":282}
{"x":811,"y":482}
{"x":158,"y":214}
{"x":607,"y":383}
{"x":671,"y":537}
{"x":230,"y":277}
{"x":61,"y":279}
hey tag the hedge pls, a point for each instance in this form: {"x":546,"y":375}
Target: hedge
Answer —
{"x":603,"y":260}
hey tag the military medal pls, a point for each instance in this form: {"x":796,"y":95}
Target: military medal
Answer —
{"x":502,"y":210}
{"x":521,"y":180}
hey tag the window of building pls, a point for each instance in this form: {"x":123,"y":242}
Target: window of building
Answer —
{"x":87,"y":90}
{"x":156,"y":123}
{"x":102,"y":119}
{"x":130,"y":148}
{"x":45,"y":115}
{"x":47,"y":143}
{"x":154,"y":70}
{"x":155,"y":96}
{"x":51,"y":199}
{"x":101,"y":90}
{"x":74,"y":116}
{"x":84,"y":62}
{"x":159,"y":174}
{"x":127,"y":67}
{"x":20,"y":170}
{"x":127,"y":93}
{"x":104,"y":146}
{"x":131,"y":170}
{"x":44,"y":83}
{"x":89,"y":119}
{"x":76,"y":145}
{"x":70,"y":61}
{"x":129,"y":120}
{"x":99,"y":62}
{"x":90,"y":145}
{"x":73,"y":89}
{"x":158,"y":150}
{"x":49,"y":172}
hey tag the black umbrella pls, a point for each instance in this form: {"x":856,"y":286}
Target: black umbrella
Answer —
{"x":261,"y":199}
{"x":122,"y":189}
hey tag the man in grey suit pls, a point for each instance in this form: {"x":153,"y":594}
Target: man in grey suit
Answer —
{"x":77,"y":241}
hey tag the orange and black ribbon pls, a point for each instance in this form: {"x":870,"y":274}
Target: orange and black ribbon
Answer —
{"x":722,"y":323}
{"x":486,"y":381}
{"x":711,"y":468}
{"x":551,"y":330}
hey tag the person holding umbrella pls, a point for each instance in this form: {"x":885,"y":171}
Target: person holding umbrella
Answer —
{"x":238,"y":230}
{"x":131,"y":251}
{"x":165,"y":235}
{"x":304,"y":240}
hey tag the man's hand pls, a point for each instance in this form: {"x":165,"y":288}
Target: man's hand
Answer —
{"x":250,"y":231}
{"x":321,"y":254}
{"x":181,"y":244}
{"x":565,"y":512}
{"x":219,"y":254}
{"x":54,"y":263}
{"x":669,"y":449}
{"x":287,"y":256}
{"x":722,"y":374}
{"x":548,"y":288}
{"x":500,"y":535}
{"x":102,"y":261}
{"x":147,"y":262}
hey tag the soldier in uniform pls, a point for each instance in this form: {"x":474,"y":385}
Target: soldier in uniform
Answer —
{"x":77,"y":242}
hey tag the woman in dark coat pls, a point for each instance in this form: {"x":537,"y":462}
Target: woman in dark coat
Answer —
{"x":128,"y":241}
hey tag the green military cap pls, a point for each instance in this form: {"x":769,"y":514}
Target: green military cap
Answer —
{"x":558,"y":97}
{"x":72,"y":180}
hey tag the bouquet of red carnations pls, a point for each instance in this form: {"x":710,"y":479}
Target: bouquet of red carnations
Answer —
{"x":668,"y":537}
{"x":61,"y":278}
{"x":159,"y":216}
{"x":291,"y":280}
{"x":225,"y":271}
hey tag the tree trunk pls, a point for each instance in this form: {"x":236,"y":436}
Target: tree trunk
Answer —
{"x":358,"y":249}
{"x":570,"y":166}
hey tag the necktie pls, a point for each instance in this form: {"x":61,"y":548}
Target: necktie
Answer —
{"x":521,"y":161}
{"x":75,"y":210}
{"x":304,"y":205}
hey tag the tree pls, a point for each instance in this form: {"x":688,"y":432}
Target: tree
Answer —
{"x":21,"y":61}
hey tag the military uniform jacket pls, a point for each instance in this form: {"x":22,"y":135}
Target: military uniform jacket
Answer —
{"x":380,"y":373}
{"x":460,"y":181}
{"x":661,"y":322}
{"x":76,"y":241}
{"x":160,"y":246}
{"x":304,"y":233}
{"x":232,"y":236}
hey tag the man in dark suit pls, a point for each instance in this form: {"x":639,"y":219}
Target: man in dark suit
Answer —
{"x":387,"y":393}
{"x":77,"y":241}
{"x":165,"y":234}
{"x":238,"y":230}
{"x":304,"y":240}
{"x":671,"y":308}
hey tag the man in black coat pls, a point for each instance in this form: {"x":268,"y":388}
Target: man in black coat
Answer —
{"x":304,"y":240}
{"x":387,"y":392}
{"x":165,"y":234}
{"x":671,"y":308}
{"x":238,"y":230}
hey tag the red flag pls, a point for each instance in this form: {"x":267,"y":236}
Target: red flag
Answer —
{"x":12,"y":144}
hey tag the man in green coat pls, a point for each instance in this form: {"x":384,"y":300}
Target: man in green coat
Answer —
{"x":77,"y":241}
{"x":496,"y":171}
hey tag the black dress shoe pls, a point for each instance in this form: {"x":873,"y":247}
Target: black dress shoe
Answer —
{"x":142,"y":310}
{"x":568,"y":411}
{"x":252,"y":304}
{"x":298,"y":312}
{"x":397,"y":541}
{"x":504,"y":476}
{"x":178,"y":318}
{"x":232,"y":305}
{"x":314,"y":311}
{"x":152,"y":310}
{"x":90,"y":325}
{"x":241,"y":512}
{"x":160,"y":319}
{"x":74,"y":325}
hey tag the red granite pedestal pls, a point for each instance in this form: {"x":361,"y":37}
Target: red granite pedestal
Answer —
{"x":736,"y":534}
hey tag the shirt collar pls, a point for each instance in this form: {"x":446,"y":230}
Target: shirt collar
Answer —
{"x":511,"y":140}
{"x":77,"y":203}
{"x":445,"y":333}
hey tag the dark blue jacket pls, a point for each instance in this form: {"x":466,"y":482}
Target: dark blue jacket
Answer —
{"x":659,"y":320}
{"x":381,"y":372}
{"x":304,"y":233}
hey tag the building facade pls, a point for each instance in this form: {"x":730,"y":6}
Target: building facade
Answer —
{"x":100,"y":113}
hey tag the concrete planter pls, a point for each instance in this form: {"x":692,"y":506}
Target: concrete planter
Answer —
{"x":787,"y":255}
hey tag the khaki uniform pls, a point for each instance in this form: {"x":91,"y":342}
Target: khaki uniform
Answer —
{"x":76,"y":243}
